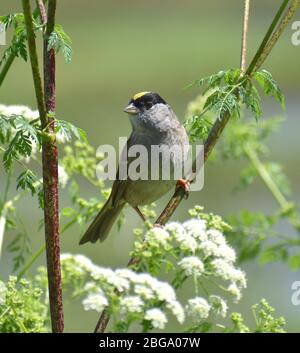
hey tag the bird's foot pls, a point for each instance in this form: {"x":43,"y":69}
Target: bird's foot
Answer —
{"x":185,"y":185}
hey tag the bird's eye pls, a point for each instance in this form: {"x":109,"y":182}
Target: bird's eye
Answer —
{"x":148,"y":105}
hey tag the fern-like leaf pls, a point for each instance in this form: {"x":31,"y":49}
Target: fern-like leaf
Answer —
{"x":270,"y":87}
{"x":67,"y":129}
{"x":20,"y":146}
{"x":59,"y":40}
{"x":26,"y":181}
{"x":5,"y":129}
{"x":250,"y":97}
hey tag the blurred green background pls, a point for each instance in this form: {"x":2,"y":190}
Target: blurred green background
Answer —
{"x":121,"y":48}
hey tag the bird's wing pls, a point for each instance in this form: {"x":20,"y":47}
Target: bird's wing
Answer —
{"x":119,"y":185}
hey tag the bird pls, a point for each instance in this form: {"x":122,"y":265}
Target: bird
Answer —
{"x":154,"y":123}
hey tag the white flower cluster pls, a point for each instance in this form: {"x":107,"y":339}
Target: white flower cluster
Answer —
{"x":63,"y":177}
{"x":157,"y":317}
{"x":11,"y":110}
{"x":195,"y":249}
{"x":199,"y":308}
{"x":138,"y":291}
{"x":193,"y":236}
{"x":157,"y":237}
{"x":131,"y":304}
{"x":218,"y":305}
{"x":203,"y":250}
{"x":192,"y":266}
{"x":95,"y":301}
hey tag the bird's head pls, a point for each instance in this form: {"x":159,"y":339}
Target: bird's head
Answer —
{"x":143,"y":102}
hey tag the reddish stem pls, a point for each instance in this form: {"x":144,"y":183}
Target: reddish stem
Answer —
{"x":50,"y":177}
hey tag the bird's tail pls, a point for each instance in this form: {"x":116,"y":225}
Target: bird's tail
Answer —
{"x":102,"y":224}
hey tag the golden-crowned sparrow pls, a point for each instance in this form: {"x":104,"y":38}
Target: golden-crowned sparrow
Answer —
{"x":153,"y":124}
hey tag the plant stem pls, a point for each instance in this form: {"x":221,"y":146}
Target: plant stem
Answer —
{"x":254,"y":316}
{"x":264,"y":42}
{"x":37,"y":81}
{"x":245,"y":36}
{"x":285,"y":205}
{"x":266,"y":177}
{"x":50,"y":176}
{"x":6,"y":67}
{"x":209,"y":144}
{"x":102,"y":322}
{"x":46,"y":103}
{"x":42,"y":11}
{"x":281,"y":27}
{"x":19,"y":322}
{"x":4,"y":312}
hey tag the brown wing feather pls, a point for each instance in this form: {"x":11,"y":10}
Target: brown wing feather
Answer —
{"x":119,"y":186}
{"x":101,"y":225}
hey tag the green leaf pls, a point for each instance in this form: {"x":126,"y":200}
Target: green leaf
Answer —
{"x":10,"y":50}
{"x":197,"y":128}
{"x":67,"y":129}
{"x":250,"y":97}
{"x":68,"y":211}
{"x":11,"y":152}
{"x":18,"y":48}
{"x":269,"y":86}
{"x":7,"y":20}
{"x":40,"y":195}
{"x":53,"y":42}
{"x":22,"y":49}
{"x":5,"y":129}
{"x":59,"y":40}
{"x":222,"y":102}
{"x":232,"y":76}
{"x":211,"y":81}
{"x":228,"y":77}
{"x":64,"y":128}
{"x":20,"y":145}
{"x":247,"y":176}
{"x":27,"y":134}
{"x":24,"y":147}
{"x":26,"y":126}
{"x":248,"y":233}
{"x":21,"y":248}
{"x":79,"y":133}
{"x":26,"y":180}
{"x":294,"y":262}
{"x":277,"y":252}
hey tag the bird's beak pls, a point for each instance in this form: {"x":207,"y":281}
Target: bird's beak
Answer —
{"x":131,"y":109}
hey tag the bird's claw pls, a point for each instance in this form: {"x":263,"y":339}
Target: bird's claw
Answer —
{"x":185,"y":185}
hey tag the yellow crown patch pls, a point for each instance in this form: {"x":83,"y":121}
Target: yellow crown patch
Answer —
{"x":139,"y":95}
